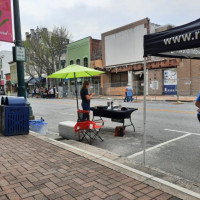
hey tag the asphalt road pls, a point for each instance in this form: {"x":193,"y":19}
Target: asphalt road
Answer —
{"x":173,"y":133}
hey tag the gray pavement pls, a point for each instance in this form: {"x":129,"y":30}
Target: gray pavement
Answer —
{"x":173,"y":127}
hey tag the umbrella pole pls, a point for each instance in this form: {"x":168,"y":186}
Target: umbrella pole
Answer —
{"x":144,"y":114}
{"x":76,"y":93}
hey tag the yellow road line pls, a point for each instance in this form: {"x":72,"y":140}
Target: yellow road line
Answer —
{"x":168,"y":110}
{"x":148,"y":109}
{"x":48,"y":102}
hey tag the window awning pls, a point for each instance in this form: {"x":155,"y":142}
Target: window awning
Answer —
{"x":28,"y":79}
{"x":33,"y":80}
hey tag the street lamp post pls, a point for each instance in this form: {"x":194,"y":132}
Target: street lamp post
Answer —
{"x":20,"y":64}
{"x":18,"y":42}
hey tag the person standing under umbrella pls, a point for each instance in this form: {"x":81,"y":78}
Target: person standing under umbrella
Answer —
{"x":86,"y":97}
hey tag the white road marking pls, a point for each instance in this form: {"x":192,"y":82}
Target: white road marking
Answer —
{"x":181,"y":132}
{"x":179,"y":188}
{"x":159,"y":145}
{"x":68,"y":114}
{"x":164,"y":143}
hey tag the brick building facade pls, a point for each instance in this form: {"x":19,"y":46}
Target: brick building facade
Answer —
{"x":86,"y":52}
{"x":189,"y":77}
{"x":165,"y":76}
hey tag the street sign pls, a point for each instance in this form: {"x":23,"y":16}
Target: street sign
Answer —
{"x":20,"y":54}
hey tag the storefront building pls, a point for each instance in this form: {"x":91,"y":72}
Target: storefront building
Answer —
{"x":86,"y":52}
{"x":122,"y":55}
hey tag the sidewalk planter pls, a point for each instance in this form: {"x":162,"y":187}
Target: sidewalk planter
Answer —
{"x":38,"y":126}
{"x":14,"y":116}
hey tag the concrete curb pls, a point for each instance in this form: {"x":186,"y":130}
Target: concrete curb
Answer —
{"x":172,"y":185}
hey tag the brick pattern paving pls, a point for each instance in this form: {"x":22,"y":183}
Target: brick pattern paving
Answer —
{"x":32,"y":169}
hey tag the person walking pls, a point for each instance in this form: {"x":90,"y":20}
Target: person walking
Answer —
{"x":197,"y":103}
{"x":54,"y":91}
{"x":33,"y":92}
{"x":27,"y":92}
{"x":86,"y":97}
{"x":126,"y":99}
{"x":41,"y":92}
{"x":129,"y":93}
{"x":37,"y":92}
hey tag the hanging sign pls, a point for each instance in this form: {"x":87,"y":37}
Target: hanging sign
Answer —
{"x":6,"y":33}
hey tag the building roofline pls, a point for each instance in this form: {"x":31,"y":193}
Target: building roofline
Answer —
{"x":128,"y":26}
{"x":83,"y":39}
{"x":96,"y":39}
{"x":80,"y":40}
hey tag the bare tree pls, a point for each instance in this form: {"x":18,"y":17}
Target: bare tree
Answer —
{"x":44,"y":50}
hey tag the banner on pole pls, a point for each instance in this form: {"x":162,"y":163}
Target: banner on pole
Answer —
{"x":6,"y":34}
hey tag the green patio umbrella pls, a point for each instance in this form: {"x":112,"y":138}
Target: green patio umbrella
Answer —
{"x":75,"y":71}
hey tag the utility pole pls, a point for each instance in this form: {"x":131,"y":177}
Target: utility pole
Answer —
{"x":18,"y":42}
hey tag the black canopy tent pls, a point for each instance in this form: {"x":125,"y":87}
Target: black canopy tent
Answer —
{"x":176,"y":42}
{"x":179,"y":42}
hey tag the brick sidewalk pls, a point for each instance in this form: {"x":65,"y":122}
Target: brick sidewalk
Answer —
{"x":33,"y":169}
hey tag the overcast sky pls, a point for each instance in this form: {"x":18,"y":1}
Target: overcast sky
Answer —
{"x":92,"y":17}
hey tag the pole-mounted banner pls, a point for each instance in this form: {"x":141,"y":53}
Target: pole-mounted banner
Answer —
{"x":6,"y":33}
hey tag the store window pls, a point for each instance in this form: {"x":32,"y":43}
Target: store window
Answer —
{"x":85,"y":62}
{"x":119,"y":79}
{"x":78,"y":62}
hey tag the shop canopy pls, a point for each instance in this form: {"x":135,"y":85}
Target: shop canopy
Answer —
{"x":179,"y":42}
{"x":32,"y":80}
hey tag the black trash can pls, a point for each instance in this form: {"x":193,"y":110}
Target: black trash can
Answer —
{"x":14,"y":116}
